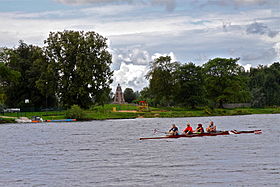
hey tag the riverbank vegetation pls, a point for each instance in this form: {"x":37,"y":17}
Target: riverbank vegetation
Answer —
{"x":132,"y":111}
{"x":5,"y":119}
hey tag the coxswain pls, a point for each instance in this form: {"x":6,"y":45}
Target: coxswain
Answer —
{"x":173,"y":130}
{"x":211,"y":127}
{"x":199,"y":129}
{"x":188,"y":129}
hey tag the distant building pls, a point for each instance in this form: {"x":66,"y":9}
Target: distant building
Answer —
{"x":119,"y":98}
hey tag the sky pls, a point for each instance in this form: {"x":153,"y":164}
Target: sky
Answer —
{"x":138,"y":31}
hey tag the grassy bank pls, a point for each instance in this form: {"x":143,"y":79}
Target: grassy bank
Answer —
{"x":131,"y":111}
{"x":51,"y":115}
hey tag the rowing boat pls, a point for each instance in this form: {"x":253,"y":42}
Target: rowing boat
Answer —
{"x":202,"y":134}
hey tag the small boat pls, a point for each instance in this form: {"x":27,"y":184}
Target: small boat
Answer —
{"x":36,"y":119}
{"x":61,"y":120}
{"x":203,"y":134}
{"x":23,"y":120}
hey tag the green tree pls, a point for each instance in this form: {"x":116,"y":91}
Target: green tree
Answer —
{"x":105,"y":97}
{"x":272,"y":85}
{"x":265,"y":85}
{"x":27,"y":60}
{"x":225,"y":81}
{"x":7,"y":76}
{"x":47,"y":83}
{"x":161,"y":80}
{"x":82,"y":65}
{"x":145,"y":95}
{"x":129,"y":95}
{"x":190,"y":85}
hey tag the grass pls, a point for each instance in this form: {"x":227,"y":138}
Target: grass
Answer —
{"x":170,"y":112}
{"x":51,"y":115}
{"x":106,"y":112}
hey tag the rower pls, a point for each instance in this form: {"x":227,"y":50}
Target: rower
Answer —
{"x":188,"y":129}
{"x":199,"y":129}
{"x":211,"y":127}
{"x":173,"y":130}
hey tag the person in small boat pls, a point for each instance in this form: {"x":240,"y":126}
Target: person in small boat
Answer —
{"x":211,"y":127}
{"x":199,"y":129}
{"x":188,"y":129}
{"x":173,"y":130}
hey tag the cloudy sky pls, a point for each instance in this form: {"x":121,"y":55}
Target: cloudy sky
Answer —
{"x":140,"y":30}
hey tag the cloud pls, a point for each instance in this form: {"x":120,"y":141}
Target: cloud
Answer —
{"x":135,"y":56}
{"x":277,"y":51}
{"x":83,"y":2}
{"x":130,"y":66}
{"x":254,"y":2}
{"x":247,"y":67}
{"x":266,"y":56}
{"x":260,"y":28}
{"x":239,"y":3}
{"x":130,"y":76}
{"x":168,"y":4}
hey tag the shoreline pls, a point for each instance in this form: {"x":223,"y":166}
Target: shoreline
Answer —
{"x":92,"y":115}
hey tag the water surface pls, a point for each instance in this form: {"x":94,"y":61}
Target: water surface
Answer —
{"x":109,"y":153}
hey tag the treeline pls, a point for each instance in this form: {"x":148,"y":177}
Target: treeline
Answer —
{"x":215,"y":83}
{"x":72,"y":68}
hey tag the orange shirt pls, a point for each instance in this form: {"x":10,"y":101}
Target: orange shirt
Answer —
{"x":188,"y":129}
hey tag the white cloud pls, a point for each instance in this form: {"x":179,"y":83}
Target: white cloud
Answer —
{"x":168,"y":4}
{"x":277,"y":50}
{"x":247,"y":67}
{"x":109,"y":10}
{"x":130,"y":76}
{"x":130,"y":66}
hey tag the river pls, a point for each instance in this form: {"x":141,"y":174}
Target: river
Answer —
{"x":109,"y":153}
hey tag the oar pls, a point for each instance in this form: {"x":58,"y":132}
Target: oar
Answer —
{"x":157,"y":130}
{"x":258,"y":131}
{"x":232,"y":132}
{"x":239,"y":132}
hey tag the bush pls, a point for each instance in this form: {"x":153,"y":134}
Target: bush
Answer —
{"x":207,"y":110}
{"x":7,"y":120}
{"x":241,"y":112}
{"x":75,"y":113}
